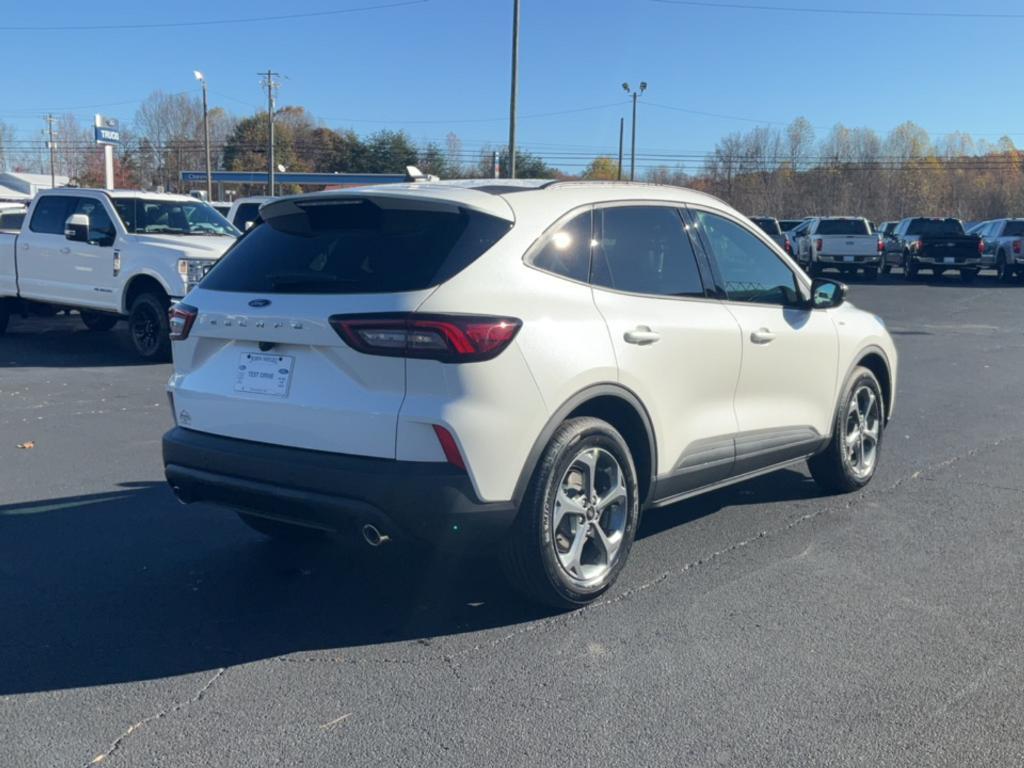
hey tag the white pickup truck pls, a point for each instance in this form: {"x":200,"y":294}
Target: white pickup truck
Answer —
{"x":111,"y":255}
{"x":846,"y":243}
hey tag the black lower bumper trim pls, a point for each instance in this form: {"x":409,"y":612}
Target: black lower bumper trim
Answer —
{"x":423,"y":501}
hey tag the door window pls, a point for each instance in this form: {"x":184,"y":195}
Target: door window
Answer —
{"x":566,"y":251}
{"x":51,"y":214}
{"x":750,"y":269}
{"x":644,"y":249}
{"x":101,"y":228}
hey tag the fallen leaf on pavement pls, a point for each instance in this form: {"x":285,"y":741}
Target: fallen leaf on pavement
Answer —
{"x":27,"y":445}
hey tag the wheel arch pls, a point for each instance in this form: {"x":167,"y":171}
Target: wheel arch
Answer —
{"x":139,"y":284}
{"x":875,"y":360}
{"x":621,"y":408}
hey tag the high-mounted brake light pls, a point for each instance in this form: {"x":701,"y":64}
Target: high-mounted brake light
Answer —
{"x":447,"y":338}
{"x":180,"y":319}
{"x":818,"y":244}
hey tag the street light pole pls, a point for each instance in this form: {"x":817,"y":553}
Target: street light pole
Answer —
{"x":206,"y":137}
{"x":270,"y":84}
{"x":632,"y":149}
{"x":515,"y":88}
{"x":622,"y":121}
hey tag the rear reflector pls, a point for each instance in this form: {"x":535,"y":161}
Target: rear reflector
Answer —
{"x":181,"y":317}
{"x":447,"y":338}
{"x":450,"y":448}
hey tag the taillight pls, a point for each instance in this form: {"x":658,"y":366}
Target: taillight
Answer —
{"x":818,"y":244}
{"x":917,"y":245}
{"x":180,"y":320}
{"x":788,"y":247}
{"x":447,"y":338}
{"x":1016,"y":246}
{"x":981,"y":246}
{"x":449,"y":446}
{"x":881,"y":245}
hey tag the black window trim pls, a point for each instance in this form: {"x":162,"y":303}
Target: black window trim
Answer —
{"x":802,"y":281}
{"x":703,"y":267}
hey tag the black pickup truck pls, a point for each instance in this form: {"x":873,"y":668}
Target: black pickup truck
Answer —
{"x":935,"y":244}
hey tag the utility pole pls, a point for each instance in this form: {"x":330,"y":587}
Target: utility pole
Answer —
{"x":50,"y":144}
{"x":270,"y":84}
{"x":632,"y":148}
{"x":206,"y":135}
{"x":622,"y":122}
{"x":515,"y":88}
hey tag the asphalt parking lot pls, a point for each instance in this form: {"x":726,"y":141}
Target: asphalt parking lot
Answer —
{"x":761,"y":625}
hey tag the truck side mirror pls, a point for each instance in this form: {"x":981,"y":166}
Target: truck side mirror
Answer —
{"x":76,"y":228}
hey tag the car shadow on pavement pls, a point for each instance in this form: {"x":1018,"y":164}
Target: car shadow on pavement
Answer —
{"x":63,"y":342}
{"x":130,"y":585}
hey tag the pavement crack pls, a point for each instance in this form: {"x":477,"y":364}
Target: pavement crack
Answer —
{"x":120,"y":740}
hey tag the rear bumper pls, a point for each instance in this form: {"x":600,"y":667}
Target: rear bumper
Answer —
{"x":872,"y":260}
{"x":422,"y":501}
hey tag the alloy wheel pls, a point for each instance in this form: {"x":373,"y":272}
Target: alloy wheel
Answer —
{"x":590,"y":512}
{"x":863,"y":430}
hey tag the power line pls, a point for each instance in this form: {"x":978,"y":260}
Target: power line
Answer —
{"x":211,"y":22}
{"x":839,"y":11}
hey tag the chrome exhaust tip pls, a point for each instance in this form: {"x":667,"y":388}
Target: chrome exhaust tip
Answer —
{"x":373,"y":537}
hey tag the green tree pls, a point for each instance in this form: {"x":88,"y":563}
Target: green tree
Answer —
{"x":603,"y":169}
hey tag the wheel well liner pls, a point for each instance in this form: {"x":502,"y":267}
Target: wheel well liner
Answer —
{"x":619,"y":407}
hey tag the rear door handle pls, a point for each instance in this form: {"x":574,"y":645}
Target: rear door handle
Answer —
{"x":762,"y":336}
{"x":642,"y":334}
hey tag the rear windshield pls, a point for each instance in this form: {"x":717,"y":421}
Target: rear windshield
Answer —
{"x":768,"y":226}
{"x":355,"y":246}
{"x":843,"y":227}
{"x":935,"y":227}
{"x":1013,"y":229}
{"x":12,"y":220}
{"x":787,"y":224}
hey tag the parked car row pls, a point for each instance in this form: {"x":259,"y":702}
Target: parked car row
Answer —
{"x":914,"y":245}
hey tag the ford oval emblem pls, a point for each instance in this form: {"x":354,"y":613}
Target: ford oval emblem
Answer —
{"x":259,"y":303}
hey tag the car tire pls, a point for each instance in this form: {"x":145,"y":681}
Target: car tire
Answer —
{"x":1003,"y":269}
{"x":286,"y":533}
{"x":814,"y":269}
{"x":909,"y":268}
{"x":5,"y":315}
{"x":845,"y":465}
{"x":98,"y":321}
{"x":149,"y":329}
{"x":871,"y":273}
{"x":968,"y":275}
{"x":886,"y":269}
{"x":561,"y":557}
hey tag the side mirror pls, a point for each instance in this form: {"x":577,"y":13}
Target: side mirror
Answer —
{"x":827,"y":294}
{"x":76,"y":228}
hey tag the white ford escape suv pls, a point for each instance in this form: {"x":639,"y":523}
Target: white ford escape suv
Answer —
{"x":524,"y":364}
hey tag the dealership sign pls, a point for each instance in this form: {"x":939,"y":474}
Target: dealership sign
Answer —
{"x":108,"y":130}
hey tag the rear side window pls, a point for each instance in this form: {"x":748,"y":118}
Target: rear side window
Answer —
{"x":51,"y":214}
{"x":247,"y":215}
{"x":355,"y":246}
{"x":842,"y":227}
{"x":566,"y":251}
{"x":644,"y":249}
{"x":1013,"y":229}
{"x":12,"y":221}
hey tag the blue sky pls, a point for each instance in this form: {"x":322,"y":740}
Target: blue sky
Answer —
{"x":443,"y":65}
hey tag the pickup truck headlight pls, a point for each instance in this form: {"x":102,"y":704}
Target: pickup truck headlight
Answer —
{"x":192,"y":271}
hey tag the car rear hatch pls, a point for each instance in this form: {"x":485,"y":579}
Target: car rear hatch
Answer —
{"x":262,"y":360}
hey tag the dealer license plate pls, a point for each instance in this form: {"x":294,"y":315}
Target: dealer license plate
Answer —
{"x":264,"y":374}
